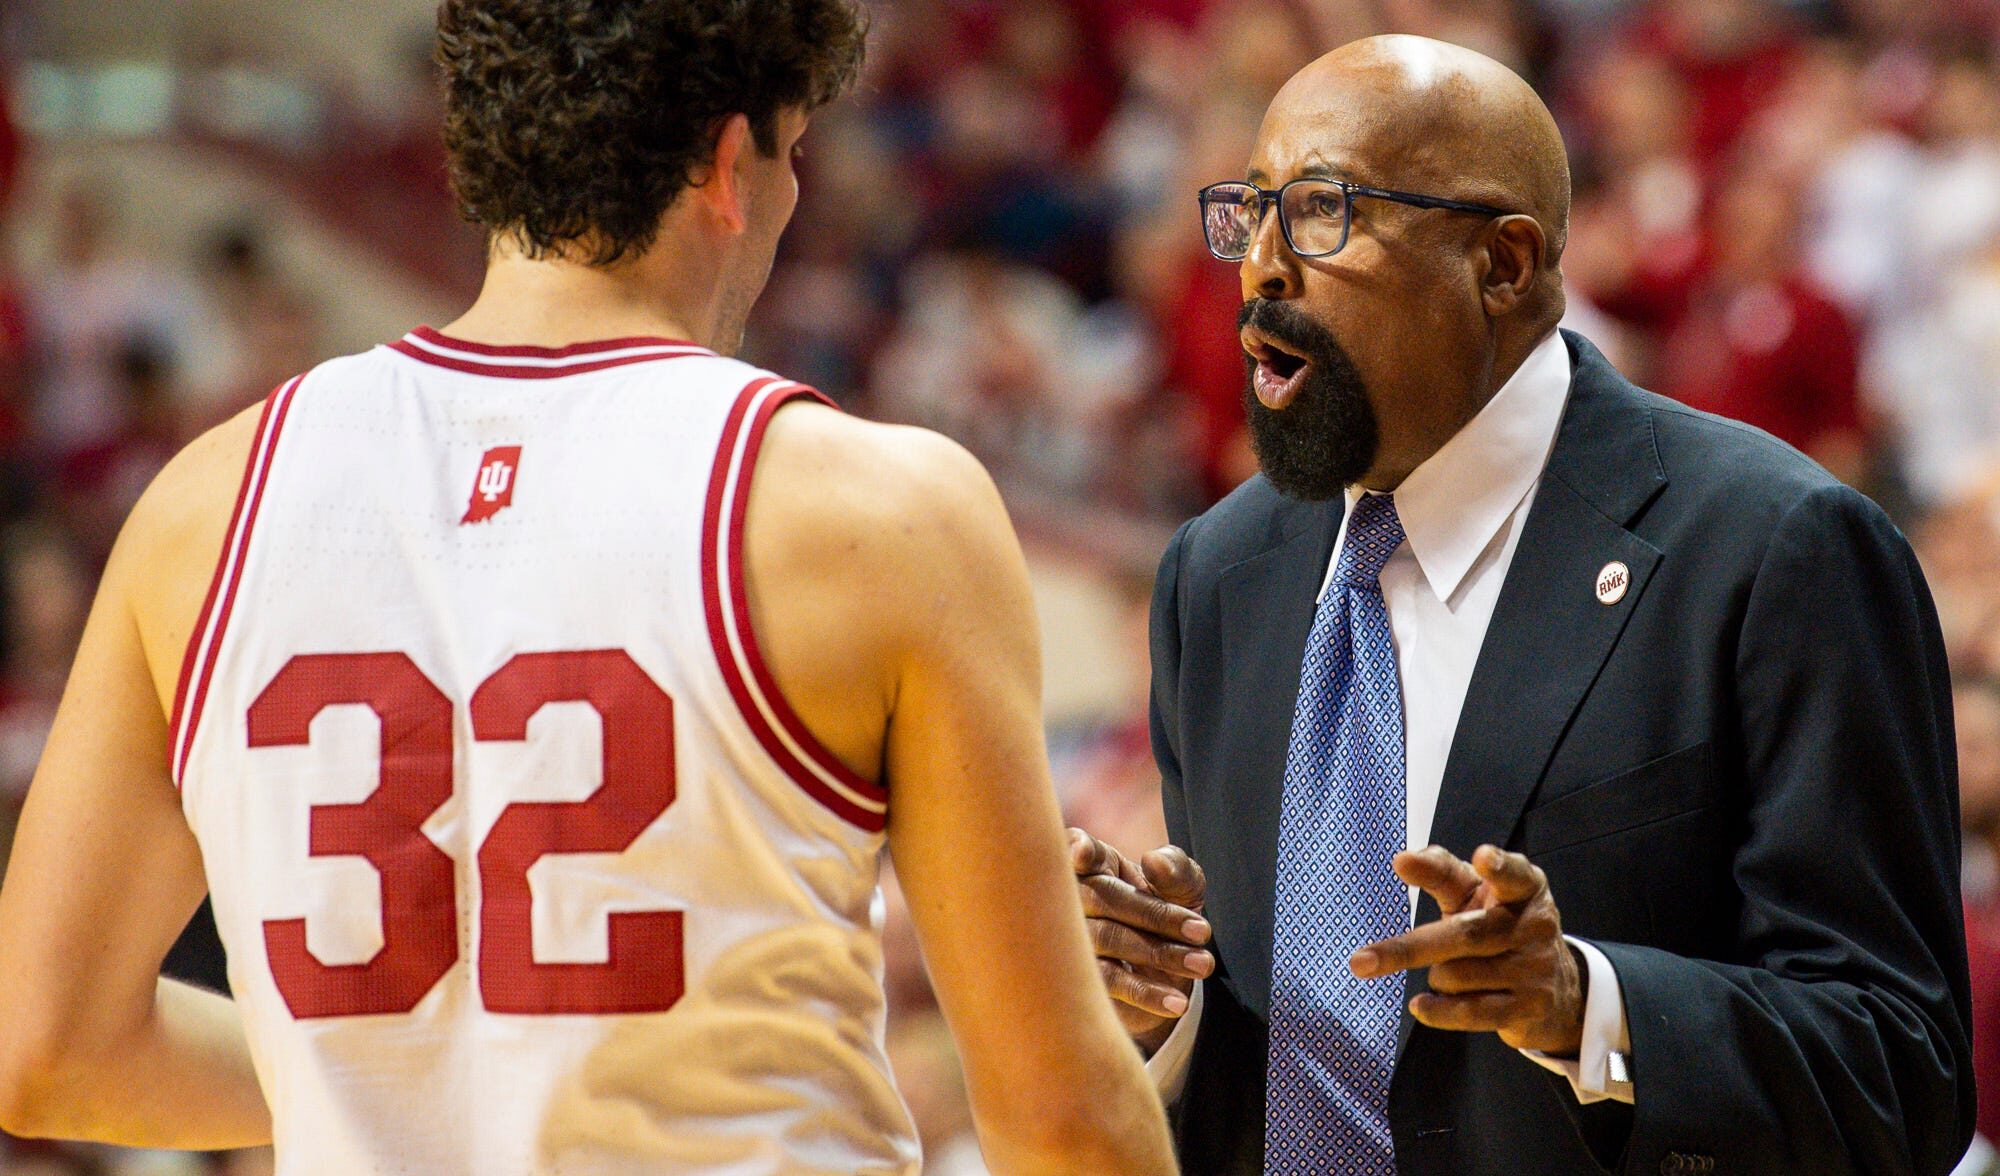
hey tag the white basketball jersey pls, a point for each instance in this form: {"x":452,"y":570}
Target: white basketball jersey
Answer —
{"x":523,"y":863}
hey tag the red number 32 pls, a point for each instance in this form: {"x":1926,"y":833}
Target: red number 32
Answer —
{"x":644,"y":973}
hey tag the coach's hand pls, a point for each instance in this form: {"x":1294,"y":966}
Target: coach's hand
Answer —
{"x":1497,"y":957}
{"x":1145,"y":922}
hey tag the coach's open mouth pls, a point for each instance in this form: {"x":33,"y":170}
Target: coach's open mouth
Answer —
{"x":1279,"y":372}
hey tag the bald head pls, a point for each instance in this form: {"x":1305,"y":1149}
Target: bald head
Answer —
{"x":1438,"y":118}
{"x":1373,"y":347}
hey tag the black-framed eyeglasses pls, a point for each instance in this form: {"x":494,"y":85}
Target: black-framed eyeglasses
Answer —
{"x":1312,"y":213}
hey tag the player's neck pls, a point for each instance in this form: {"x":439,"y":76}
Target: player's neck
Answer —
{"x":555,"y":303}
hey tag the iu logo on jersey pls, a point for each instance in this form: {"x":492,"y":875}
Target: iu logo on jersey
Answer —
{"x":493,"y":486}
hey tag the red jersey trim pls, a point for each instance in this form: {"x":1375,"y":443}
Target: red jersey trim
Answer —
{"x":821,"y":774}
{"x":198,"y":664}
{"x":439,"y":338}
{"x":538,"y":363}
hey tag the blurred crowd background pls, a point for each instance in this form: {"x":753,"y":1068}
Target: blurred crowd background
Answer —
{"x":1785,"y":212}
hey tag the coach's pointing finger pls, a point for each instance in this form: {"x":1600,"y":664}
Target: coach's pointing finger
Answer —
{"x":1511,"y":876}
{"x":1441,"y":874}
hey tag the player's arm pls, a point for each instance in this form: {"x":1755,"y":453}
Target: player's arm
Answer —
{"x":978,"y":843}
{"x":105,"y":873}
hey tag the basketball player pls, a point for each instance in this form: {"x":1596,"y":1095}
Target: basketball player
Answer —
{"x":540,"y":725}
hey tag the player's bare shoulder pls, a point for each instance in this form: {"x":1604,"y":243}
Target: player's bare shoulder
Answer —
{"x":868,"y":547}
{"x":874,"y":506}
{"x":166,"y":554}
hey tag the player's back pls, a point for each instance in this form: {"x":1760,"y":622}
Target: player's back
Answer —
{"x":522,"y":861}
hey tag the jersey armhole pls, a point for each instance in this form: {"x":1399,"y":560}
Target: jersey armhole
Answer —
{"x":777,"y":727}
{"x":198,"y":662}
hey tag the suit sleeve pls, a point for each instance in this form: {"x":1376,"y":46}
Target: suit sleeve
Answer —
{"x":1835,"y":1039}
{"x":1166,"y":664}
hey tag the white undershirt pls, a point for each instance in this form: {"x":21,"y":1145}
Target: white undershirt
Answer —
{"x":1462,"y":511}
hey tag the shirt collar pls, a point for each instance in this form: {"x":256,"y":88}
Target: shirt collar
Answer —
{"x":1453,"y":505}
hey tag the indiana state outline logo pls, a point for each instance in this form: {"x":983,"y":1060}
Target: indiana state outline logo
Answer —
{"x":493,"y":485}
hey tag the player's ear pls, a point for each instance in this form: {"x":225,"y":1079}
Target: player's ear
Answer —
{"x":720,"y":183}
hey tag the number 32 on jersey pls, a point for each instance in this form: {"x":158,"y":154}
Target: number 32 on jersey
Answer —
{"x":644,"y":973}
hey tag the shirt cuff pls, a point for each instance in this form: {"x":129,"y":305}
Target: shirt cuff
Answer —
{"x":1169,"y":1064}
{"x":1605,"y":1030}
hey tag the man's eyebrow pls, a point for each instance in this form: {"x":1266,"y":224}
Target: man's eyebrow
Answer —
{"x":1319,"y":169}
{"x":1315,"y":169}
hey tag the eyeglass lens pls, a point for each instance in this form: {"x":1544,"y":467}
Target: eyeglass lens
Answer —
{"x":1314,"y":217}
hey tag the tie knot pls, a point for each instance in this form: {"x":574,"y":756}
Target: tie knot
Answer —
{"x":1373,"y":535}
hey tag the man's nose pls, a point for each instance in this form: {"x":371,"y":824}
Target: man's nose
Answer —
{"x":1270,"y":269}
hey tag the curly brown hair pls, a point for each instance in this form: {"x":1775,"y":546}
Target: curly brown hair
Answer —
{"x":573,"y":124}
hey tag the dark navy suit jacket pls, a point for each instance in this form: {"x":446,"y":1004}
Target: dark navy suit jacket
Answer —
{"x":1740,"y":779}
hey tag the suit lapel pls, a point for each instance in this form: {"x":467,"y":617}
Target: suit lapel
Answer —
{"x":1550,"y":634}
{"x":1267,"y":606}
{"x":1548,"y":639}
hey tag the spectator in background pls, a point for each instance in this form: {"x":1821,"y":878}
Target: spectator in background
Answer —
{"x":45,"y":590}
{"x":1497,"y":30}
{"x":1169,"y":273}
{"x":16,"y":384}
{"x":1636,"y":236}
{"x":258,"y":328}
{"x":1976,"y":701}
{"x":1250,"y":49}
{"x":11,"y":143}
{"x":1009,"y":361}
{"x":97,"y":484}
{"x":1759,"y":341}
{"x":823,"y":312}
{"x":385,"y":166}
{"x":1140,"y":151}
{"x":1831,"y":128}
{"x":14,"y":354}
{"x":1108,"y":779}
{"x":1047,"y":44}
{"x":263,"y":329}
{"x":1731,"y":54}
{"x":10,"y":139}
{"x":93,"y":301}
{"x":1934,"y":363}
{"x":47,"y":1159}
{"x":1954,"y":203}
{"x":996,"y":170}
{"x":1163,"y":269}
{"x":1935,"y":379}
{"x":238,"y":285}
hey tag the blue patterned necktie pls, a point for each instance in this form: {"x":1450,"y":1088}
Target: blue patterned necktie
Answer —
{"x":1333,"y":1037}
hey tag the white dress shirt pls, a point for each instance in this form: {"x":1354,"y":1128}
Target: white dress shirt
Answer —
{"x":1462,"y":512}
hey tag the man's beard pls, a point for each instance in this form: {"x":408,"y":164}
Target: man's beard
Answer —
{"x":1325,"y":439}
